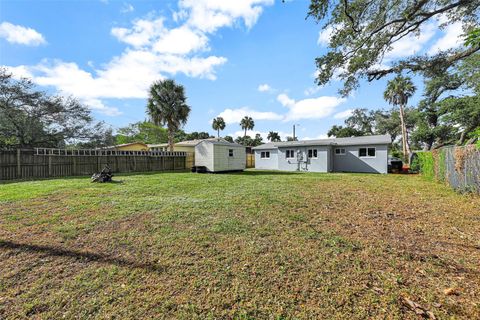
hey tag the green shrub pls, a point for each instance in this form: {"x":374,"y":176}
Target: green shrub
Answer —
{"x":425,"y":164}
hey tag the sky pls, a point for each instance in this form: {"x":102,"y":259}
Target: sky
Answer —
{"x":234,"y":58}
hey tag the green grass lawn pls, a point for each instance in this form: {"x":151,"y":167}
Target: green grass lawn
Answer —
{"x":253,"y":245}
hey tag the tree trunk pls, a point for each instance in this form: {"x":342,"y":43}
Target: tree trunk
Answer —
{"x":218,"y":133}
{"x":245,"y":133}
{"x":405,"y":146}
{"x":170,"y":139}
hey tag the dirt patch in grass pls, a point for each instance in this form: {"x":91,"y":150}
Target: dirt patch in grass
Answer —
{"x":242,"y":246}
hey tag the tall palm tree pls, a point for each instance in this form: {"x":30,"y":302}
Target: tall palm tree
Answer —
{"x":167,"y":106}
{"x":218,"y":124}
{"x":247,"y":123}
{"x":273,"y":136}
{"x":398,"y":91}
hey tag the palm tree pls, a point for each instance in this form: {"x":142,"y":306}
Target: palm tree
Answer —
{"x":218,"y":124}
{"x":273,"y":136}
{"x":398,"y":91}
{"x":247,"y":123}
{"x":167,"y":106}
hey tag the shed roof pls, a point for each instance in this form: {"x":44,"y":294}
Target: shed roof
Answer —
{"x":187,"y":143}
{"x":375,"y":139}
{"x":222,"y":142}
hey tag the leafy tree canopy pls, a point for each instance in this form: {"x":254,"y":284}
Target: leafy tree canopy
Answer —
{"x":182,"y":135}
{"x":167,"y":105}
{"x":143,"y":131}
{"x":273,"y":136}
{"x":249,"y":142}
{"x":32,"y":118}
{"x":363,"y":31}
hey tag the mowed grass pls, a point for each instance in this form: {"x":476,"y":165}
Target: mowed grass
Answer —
{"x":252,"y":245}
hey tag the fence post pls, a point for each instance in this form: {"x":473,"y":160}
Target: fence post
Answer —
{"x":50,"y":165}
{"x":74,"y":169}
{"x":174,"y":158}
{"x":19,"y":168}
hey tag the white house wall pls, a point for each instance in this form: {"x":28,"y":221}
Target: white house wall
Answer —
{"x":204,"y":156}
{"x":326,"y":161}
{"x":266,"y":164}
{"x":318,"y":164}
{"x":351,"y":162}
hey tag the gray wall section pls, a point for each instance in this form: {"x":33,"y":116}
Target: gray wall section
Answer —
{"x":222,"y":160}
{"x":302,"y":163}
{"x":351,"y":162}
{"x":326,"y":161}
{"x":267,"y":164}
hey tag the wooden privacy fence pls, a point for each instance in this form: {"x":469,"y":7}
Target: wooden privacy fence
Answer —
{"x":46,"y":163}
{"x":250,"y":160}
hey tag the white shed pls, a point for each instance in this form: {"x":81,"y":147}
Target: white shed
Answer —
{"x":219,"y":155}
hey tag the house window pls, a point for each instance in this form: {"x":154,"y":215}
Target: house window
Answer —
{"x":367,"y":152}
{"x":265,"y":155}
{"x":290,"y":154}
{"x":312,"y":153}
{"x":340,"y":151}
{"x":230,"y":152}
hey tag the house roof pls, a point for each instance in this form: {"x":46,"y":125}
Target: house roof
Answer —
{"x":124,"y":145}
{"x":222,"y":142}
{"x":187,"y":143}
{"x":376,"y":139}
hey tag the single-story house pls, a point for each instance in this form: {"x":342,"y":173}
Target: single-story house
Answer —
{"x":217,"y":155}
{"x":355,"y":154}
{"x":186,"y":146}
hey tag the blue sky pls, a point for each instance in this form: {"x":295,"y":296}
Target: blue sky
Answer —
{"x":235,"y":58}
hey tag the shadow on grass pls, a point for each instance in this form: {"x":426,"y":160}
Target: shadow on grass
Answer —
{"x":264,"y":173}
{"x":84,"y":177}
{"x":89,"y":257}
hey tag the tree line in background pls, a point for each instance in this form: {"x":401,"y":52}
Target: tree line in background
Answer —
{"x":439,"y":118}
{"x":362,"y":32}
{"x":31,"y":118}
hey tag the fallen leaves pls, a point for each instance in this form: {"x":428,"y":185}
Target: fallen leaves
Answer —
{"x":452,"y":291}
{"x":417,"y":308}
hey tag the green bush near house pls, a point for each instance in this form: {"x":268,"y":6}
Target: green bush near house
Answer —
{"x":425,"y":164}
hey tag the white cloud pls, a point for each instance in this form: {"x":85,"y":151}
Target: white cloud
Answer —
{"x":97,"y":105}
{"x":21,"y":35}
{"x":343,"y":114}
{"x":182,"y":40}
{"x":126,"y":8}
{"x":311,"y":90}
{"x":142,"y":33}
{"x":264,"y":88}
{"x":452,"y":38}
{"x":325,"y":35}
{"x":126,"y":76}
{"x":285,"y":100}
{"x":313,"y":108}
{"x":209,"y":15}
{"x":153,"y":52}
{"x":20,"y":72}
{"x":412,"y":43}
{"x":235,"y":115}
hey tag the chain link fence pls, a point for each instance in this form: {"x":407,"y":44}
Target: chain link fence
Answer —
{"x":458,"y":167}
